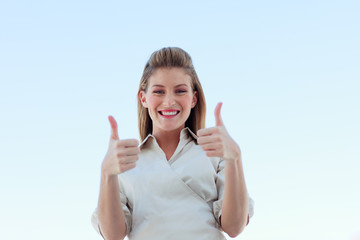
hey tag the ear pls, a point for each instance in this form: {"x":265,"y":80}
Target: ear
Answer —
{"x":193,"y":104}
{"x":143,"y":98}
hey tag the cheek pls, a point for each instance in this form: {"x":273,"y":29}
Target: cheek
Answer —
{"x":188,"y":101}
{"x":153,"y":103}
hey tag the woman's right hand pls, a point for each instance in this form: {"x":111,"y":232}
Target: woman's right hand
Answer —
{"x":121,"y":155}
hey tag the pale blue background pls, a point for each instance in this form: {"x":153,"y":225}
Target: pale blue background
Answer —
{"x":287,"y":73}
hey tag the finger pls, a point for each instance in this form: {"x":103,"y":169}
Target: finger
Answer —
{"x":213,"y":153}
{"x":218,"y":119}
{"x":126,"y":143}
{"x":212,"y":147}
{"x":114,"y":128}
{"x":208,"y":139}
{"x":208,"y":131}
{"x":128,"y":151}
{"x":127,"y":167}
{"x":129,"y":159}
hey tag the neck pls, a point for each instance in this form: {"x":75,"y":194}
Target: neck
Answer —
{"x":168,"y":141}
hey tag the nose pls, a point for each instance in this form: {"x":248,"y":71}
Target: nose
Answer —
{"x":169,"y":100}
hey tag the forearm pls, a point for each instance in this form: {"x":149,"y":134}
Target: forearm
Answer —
{"x":235,"y":203}
{"x":110,"y":212}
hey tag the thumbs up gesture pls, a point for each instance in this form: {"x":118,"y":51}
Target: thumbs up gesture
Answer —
{"x":121,"y":155}
{"x":216,"y":141}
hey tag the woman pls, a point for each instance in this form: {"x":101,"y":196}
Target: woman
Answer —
{"x":172,"y":185}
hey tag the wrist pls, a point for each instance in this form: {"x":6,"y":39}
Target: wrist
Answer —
{"x":107,"y":175}
{"x":107,"y":178}
{"x":236,"y":158}
{"x":234,"y":162}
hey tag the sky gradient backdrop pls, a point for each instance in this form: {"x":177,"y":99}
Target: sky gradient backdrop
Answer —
{"x":287,"y":73}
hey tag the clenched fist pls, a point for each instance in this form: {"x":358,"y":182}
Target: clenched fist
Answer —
{"x":121,"y":155}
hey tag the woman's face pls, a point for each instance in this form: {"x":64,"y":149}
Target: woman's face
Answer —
{"x":169,"y":99}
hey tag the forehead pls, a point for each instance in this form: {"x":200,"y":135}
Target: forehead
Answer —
{"x":170,"y":77}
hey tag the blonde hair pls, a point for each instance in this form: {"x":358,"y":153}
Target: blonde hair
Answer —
{"x":167,"y":58}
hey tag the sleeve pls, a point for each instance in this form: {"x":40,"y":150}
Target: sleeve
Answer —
{"x":220,"y":185}
{"x":126,"y":208}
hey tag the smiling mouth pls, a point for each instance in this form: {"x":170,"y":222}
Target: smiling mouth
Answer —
{"x":168,"y":113}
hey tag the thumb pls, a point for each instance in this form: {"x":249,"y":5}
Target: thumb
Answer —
{"x":114,"y":128}
{"x":218,"y":118}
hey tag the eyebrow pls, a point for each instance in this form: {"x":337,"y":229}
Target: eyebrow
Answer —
{"x":159,"y":85}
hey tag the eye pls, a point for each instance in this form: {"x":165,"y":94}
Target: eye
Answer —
{"x":181,"y":91}
{"x":158,"y":91}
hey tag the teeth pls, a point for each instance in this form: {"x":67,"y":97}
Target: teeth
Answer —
{"x":169,"y":113}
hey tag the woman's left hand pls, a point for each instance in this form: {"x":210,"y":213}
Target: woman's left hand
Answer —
{"x":216,"y":141}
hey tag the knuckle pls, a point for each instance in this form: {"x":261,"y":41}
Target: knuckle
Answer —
{"x":133,"y":142}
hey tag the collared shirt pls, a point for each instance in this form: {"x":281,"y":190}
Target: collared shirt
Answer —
{"x":179,"y":198}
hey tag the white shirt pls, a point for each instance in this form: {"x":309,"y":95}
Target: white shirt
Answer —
{"x":179,"y":198}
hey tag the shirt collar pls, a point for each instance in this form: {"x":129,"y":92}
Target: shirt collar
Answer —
{"x":185,"y":133}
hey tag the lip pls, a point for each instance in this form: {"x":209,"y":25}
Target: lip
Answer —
{"x":169,"y":110}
